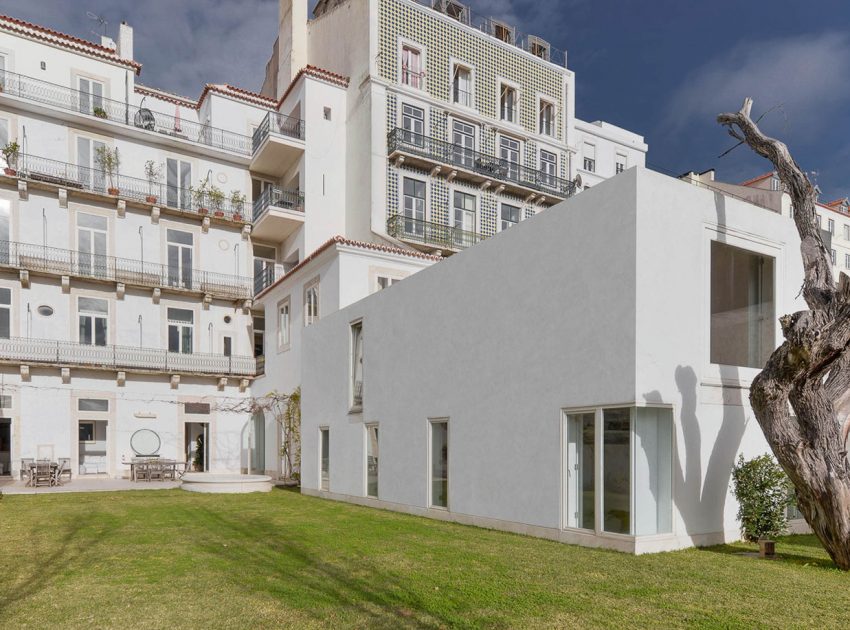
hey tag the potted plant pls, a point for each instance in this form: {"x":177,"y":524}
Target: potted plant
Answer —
{"x":764,"y":494}
{"x":153,"y":172}
{"x":11,"y":152}
{"x":109,"y":161}
{"x":199,"y":197}
{"x":237,"y":203}
{"x":99,"y":112}
{"x":216,"y":198}
{"x":198,"y":459}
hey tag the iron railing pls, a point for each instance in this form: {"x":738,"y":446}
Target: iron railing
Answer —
{"x":461,"y":97}
{"x":66,"y":262}
{"x":23,"y":350}
{"x":503,"y":32}
{"x":263,"y":279}
{"x":277,"y":124}
{"x":73,"y":177}
{"x":487,"y":165}
{"x":435,"y":235}
{"x":278,"y":198}
{"x":87,"y":104}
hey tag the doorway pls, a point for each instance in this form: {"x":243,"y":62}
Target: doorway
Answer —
{"x":92,"y":447}
{"x":257,"y":444}
{"x":5,"y":447}
{"x":197,"y":445}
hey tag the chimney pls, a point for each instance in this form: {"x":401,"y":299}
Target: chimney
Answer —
{"x":125,"y":41}
{"x":107,"y":42}
{"x":292,"y":41}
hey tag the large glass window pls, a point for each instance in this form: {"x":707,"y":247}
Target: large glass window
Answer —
{"x":616,"y":474}
{"x":324,"y":458}
{"x":179,"y":258}
{"x":463,"y":141}
{"x":413,"y":124}
{"x":372,"y":460}
{"x":93,"y":314}
{"x":178,"y":179}
{"x":462,"y":86}
{"x":91,"y":97}
{"x":414,"y":206}
{"x":653,"y":471}
{"x":440,"y":464}
{"x":581,"y":470}
{"x":464,"y":208}
{"x":509,"y":152}
{"x":180,"y":326}
{"x":90,"y":175}
{"x":508,"y":104}
{"x":5,"y":313}
{"x":549,"y":167}
{"x":742,"y":306}
{"x":91,"y":244}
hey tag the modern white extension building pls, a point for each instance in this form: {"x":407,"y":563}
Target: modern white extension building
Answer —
{"x":588,"y":398}
{"x":160,"y":255}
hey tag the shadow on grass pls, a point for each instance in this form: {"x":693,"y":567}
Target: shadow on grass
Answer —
{"x":301,"y":579}
{"x":798,"y":550}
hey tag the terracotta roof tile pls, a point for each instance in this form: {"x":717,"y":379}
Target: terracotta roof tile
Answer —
{"x":755,"y":180}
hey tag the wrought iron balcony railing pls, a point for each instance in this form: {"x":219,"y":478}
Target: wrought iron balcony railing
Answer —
{"x":488,"y":166}
{"x":95,"y":106}
{"x":278,"y":198}
{"x":66,"y":262}
{"x":264,"y":279}
{"x":28,"y":351}
{"x":277,"y":124}
{"x":436,"y":235}
{"x":96,"y":181}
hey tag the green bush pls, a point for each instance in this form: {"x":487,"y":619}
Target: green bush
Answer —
{"x":764,"y":493}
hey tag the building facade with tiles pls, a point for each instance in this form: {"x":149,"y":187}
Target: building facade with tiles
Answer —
{"x":161,"y":255}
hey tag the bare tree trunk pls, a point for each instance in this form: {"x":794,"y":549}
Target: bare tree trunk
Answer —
{"x":811,"y":369}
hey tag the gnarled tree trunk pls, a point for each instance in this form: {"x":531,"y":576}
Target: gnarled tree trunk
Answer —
{"x":811,"y":369}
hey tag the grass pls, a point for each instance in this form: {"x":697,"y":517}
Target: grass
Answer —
{"x":171,"y":558}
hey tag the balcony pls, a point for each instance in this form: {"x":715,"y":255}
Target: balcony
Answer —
{"x":96,"y":183}
{"x":430,"y":236}
{"x":277,"y":214}
{"x":277,"y":144}
{"x":426,"y":152}
{"x":64,"y":262}
{"x":138,"y":118}
{"x":19,"y":350}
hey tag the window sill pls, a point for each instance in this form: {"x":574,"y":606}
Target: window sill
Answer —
{"x":282,"y":349}
{"x":355,"y":410}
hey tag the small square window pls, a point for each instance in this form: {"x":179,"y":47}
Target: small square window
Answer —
{"x":327,"y":113}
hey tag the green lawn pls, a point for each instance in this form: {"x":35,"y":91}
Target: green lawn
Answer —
{"x":175,"y":559}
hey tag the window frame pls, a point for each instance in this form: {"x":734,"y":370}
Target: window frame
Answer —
{"x":519,"y":208}
{"x":454,"y":65}
{"x":90,"y":423}
{"x":410,"y":44}
{"x":429,"y":477}
{"x":355,"y":405}
{"x":310,"y":319}
{"x":501,"y":83}
{"x":284,"y":342}
{"x":93,"y":315}
{"x":543,"y":102}
{"x":369,"y":426}
{"x":324,"y":438}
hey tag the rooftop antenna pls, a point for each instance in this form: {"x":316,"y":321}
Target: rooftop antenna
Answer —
{"x":101,"y":23}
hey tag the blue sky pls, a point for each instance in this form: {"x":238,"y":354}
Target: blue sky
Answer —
{"x":662,"y":68}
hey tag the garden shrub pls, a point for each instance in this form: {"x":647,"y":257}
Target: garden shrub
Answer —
{"x":764,"y":493}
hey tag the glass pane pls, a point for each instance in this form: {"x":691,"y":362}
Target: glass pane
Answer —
{"x":653,"y":469}
{"x":440,"y":464}
{"x":324,"y":437}
{"x":616,"y":477}
{"x":228,"y":345}
{"x":100,"y":331}
{"x":92,"y":404}
{"x":5,"y":205}
{"x":85,"y":330}
{"x":86,"y":432}
{"x":186,"y":271}
{"x":742,"y":307}
{"x":581,"y":470}
{"x":181,"y":315}
{"x":186,"y":346}
{"x":93,"y":305}
{"x":372,"y":461}
{"x":179,"y":236}
{"x":5,"y":323}
{"x":173,"y":265}
{"x":171,"y":182}
{"x":5,"y":295}
{"x":92,"y":221}
{"x":173,"y":338}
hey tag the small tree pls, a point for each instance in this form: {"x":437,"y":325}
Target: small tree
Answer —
{"x":763,"y":493}
{"x":109,"y":161}
{"x":11,"y":152}
{"x":153,"y":172}
{"x":216,"y":197}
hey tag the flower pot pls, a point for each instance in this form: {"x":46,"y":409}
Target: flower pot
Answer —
{"x":237,"y":216}
{"x":219,"y":213}
{"x":10,"y":171}
{"x":767,"y":549}
{"x":113,"y":191}
{"x":151,"y":198}
{"x":203,"y":211}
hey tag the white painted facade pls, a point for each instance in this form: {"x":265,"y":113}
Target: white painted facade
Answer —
{"x":509,"y":355}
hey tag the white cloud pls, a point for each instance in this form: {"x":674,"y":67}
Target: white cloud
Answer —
{"x":808,"y":75}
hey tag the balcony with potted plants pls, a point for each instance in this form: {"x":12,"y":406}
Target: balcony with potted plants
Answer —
{"x":107,"y":184}
{"x":277,"y":213}
{"x":277,"y":144}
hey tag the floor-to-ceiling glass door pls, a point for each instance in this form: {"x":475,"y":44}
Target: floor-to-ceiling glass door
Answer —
{"x":5,"y":447}
{"x":197,"y":444}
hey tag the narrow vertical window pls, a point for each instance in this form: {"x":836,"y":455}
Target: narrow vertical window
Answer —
{"x":742,"y":307}
{"x":91,"y":97}
{"x":616,"y":473}
{"x":5,"y":313}
{"x":508,"y":104}
{"x":413,"y":125}
{"x":462,"y":86}
{"x":830,"y":225}
{"x":509,"y":153}
{"x":464,"y":219}
{"x":90,"y":175}
{"x":5,"y":231}
{"x":589,"y":163}
{"x":372,"y":460}
{"x":228,"y":346}
{"x":283,"y":324}
{"x":653,"y":471}
{"x":357,"y":365}
{"x":414,"y":207}
{"x":463,"y":143}
{"x":549,"y":168}
{"x":619,"y":164}
{"x":259,"y":326}
{"x":178,"y":179}
{"x":832,"y":256}
{"x":581,"y":470}
{"x":440,"y":464}
{"x":311,"y":304}
{"x":324,"y":458}
{"x":180,"y":247}
{"x":91,"y":245}
{"x":547,"y":119}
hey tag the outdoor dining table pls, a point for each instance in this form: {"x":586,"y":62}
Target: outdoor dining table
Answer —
{"x":170,"y":464}
{"x":31,"y":466}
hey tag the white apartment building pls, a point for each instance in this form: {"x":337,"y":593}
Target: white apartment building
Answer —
{"x":146,"y":303}
{"x":590,"y":400}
